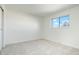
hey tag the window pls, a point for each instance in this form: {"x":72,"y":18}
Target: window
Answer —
{"x":62,"y":21}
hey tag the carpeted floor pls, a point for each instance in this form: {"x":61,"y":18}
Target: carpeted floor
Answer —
{"x":39,"y":47}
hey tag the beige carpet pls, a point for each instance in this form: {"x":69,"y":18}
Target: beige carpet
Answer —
{"x":39,"y":47}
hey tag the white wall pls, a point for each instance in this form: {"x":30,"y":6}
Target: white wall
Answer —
{"x":68,"y":36}
{"x":21,"y":27}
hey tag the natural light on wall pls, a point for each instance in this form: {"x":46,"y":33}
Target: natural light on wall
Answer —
{"x":29,"y":25}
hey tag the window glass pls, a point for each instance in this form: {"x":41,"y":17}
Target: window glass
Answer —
{"x":56,"y":22}
{"x":64,"y":21}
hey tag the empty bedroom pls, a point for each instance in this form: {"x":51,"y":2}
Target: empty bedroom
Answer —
{"x":39,"y":29}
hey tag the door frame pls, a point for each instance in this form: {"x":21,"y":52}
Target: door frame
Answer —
{"x":2,"y":25}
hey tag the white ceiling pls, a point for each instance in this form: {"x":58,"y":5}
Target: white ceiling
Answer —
{"x":39,"y":9}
